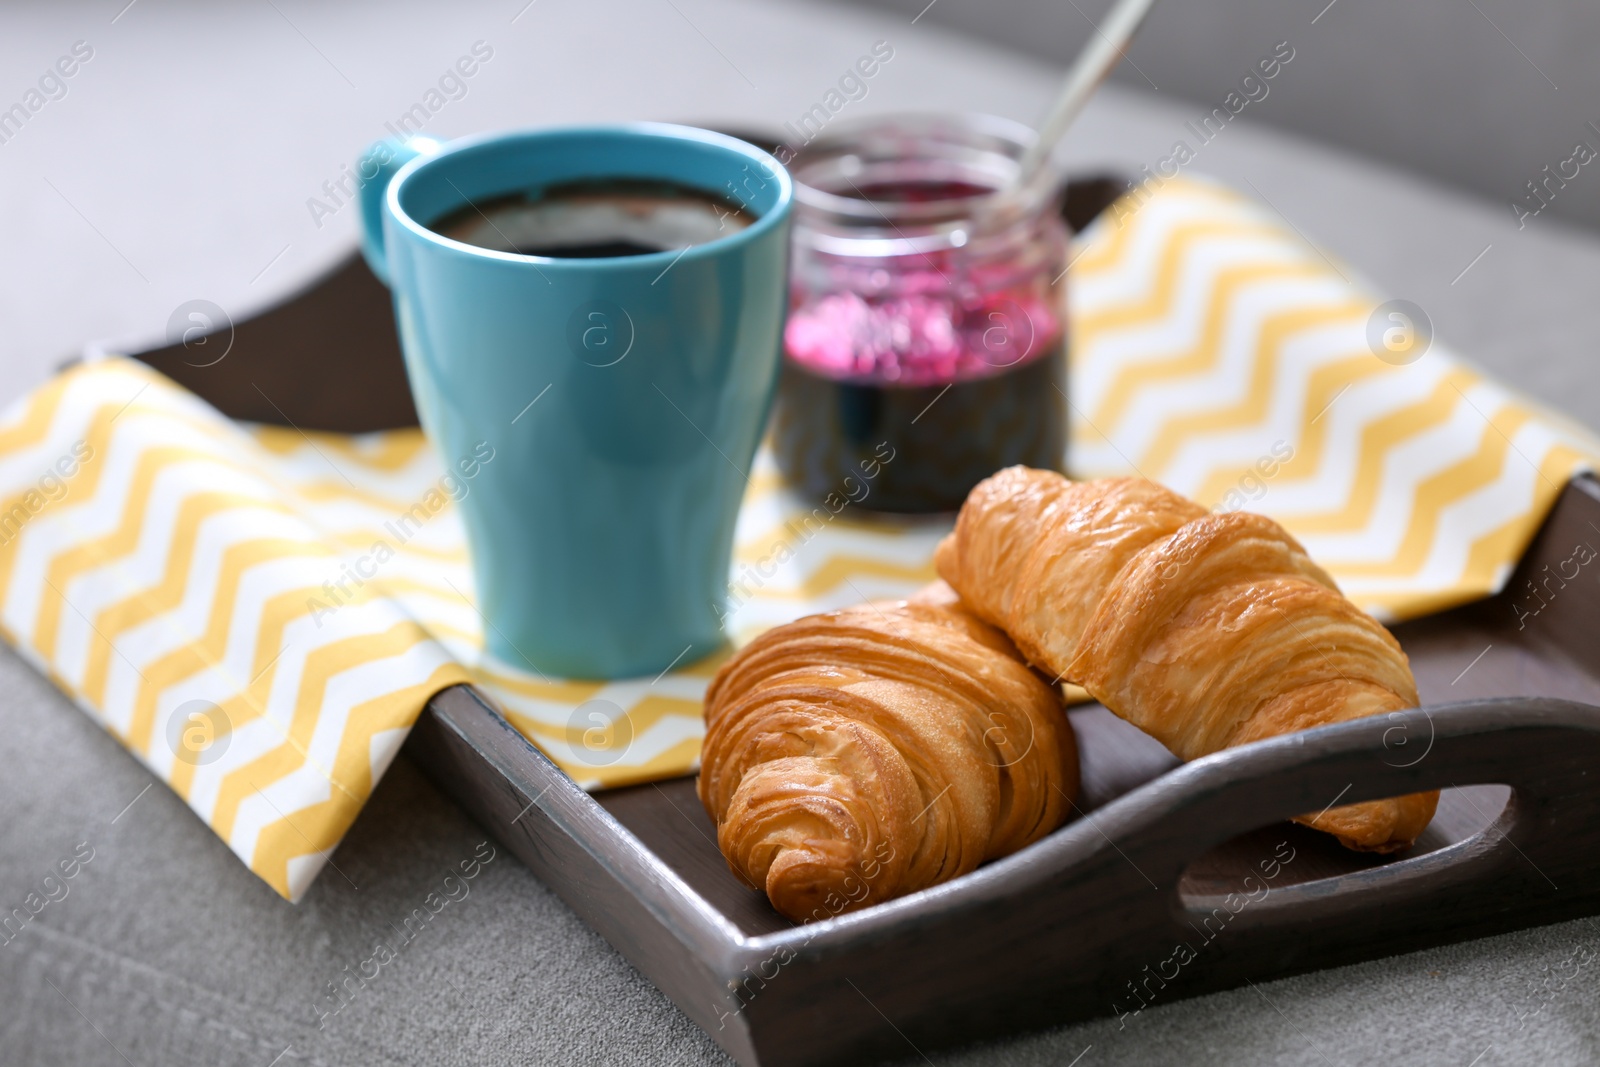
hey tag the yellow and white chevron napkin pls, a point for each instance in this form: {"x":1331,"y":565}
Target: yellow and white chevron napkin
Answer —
{"x":1218,"y":353}
{"x":259,"y":614}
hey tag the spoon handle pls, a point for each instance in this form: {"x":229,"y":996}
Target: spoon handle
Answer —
{"x":1101,"y":53}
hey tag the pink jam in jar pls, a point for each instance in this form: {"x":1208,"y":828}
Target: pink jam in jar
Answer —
{"x":925,"y":343}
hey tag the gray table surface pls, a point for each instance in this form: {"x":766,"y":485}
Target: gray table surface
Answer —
{"x":178,"y":166}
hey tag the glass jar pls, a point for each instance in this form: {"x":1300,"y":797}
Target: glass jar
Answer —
{"x":926,"y":342}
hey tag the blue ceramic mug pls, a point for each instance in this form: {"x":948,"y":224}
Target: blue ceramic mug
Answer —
{"x":623,"y":397}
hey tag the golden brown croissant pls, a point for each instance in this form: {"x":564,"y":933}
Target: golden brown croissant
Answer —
{"x":1205,"y":631}
{"x":858,"y":755}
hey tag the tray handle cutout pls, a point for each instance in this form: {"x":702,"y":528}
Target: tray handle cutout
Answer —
{"x":1536,"y":762}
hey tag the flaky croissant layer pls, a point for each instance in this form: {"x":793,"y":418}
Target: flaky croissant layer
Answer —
{"x":1205,"y":631}
{"x":859,"y":755}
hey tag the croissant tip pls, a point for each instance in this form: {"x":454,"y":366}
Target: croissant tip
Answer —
{"x":1383,"y":848}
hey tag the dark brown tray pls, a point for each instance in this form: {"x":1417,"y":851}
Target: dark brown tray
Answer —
{"x":1089,"y":921}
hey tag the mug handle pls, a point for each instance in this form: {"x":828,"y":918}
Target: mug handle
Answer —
{"x":377,"y":165}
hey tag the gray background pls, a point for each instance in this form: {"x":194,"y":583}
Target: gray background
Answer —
{"x":178,"y":167}
{"x":1480,"y":94}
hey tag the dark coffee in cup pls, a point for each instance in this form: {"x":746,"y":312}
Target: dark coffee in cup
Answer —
{"x":593,"y":219}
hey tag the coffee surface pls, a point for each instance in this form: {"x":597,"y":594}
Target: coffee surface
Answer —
{"x":594,"y":219}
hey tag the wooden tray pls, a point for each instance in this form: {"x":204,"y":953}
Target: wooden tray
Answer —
{"x":1170,"y":881}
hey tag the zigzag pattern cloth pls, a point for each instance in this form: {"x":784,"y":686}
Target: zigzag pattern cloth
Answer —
{"x":156,"y":566}
{"x":1216,"y":352}
{"x":260,"y":614}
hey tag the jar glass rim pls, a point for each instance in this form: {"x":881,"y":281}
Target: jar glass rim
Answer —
{"x":968,"y":149}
